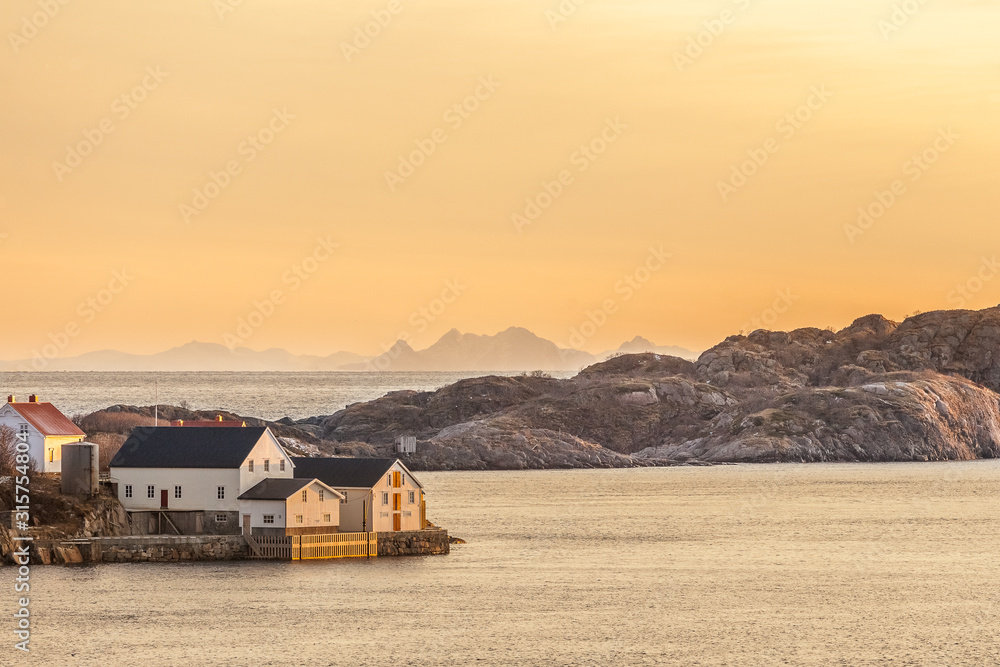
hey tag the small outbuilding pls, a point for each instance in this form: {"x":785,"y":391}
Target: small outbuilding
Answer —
{"x":290,"y":507}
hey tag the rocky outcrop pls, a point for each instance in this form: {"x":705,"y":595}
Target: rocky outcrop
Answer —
{"x":877,"y":390}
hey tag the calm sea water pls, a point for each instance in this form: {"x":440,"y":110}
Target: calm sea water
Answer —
{"x":842,"y":564}
{"x":268,"y":395}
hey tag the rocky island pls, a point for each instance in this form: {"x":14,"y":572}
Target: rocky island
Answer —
{"x":921,"y":390}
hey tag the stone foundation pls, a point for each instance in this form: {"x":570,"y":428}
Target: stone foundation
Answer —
{"x":142,"y":549}
{"x":414,"y":543}
{"x":172,"y":549}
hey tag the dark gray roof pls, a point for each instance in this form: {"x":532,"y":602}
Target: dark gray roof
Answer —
{"x":274,"y":488}
{"x":343,"y":472}
{"x":187,"y":447}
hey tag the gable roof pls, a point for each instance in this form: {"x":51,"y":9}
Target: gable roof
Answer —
{"x":187,"y":447}
{"x":281,"y":488}
{"x":46,"y":418}
{"x":346,"y":472}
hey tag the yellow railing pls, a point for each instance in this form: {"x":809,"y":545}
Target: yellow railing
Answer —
{"x":334,"y":545}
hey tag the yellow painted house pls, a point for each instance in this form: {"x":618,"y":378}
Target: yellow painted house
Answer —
{"x":43,"y":427}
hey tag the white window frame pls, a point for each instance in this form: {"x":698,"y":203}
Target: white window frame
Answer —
{"x":128,"y":490}
{"x":177,"y":491}
{"x":220,"y":493}
{"x":150,"y":491}
{"x":321,"y":495}
{"x":305,"y":495}
{"x":250,"y":465}
{"x":410,"y":497}
{"x":267,"y":465}
{"x":299,"y":519}
{"x":281,"y":465}
{"x":221,"y":518}
{"x":268,"y":518}
{"x":385,"y":497}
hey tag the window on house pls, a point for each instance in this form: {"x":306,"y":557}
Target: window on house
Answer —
{"x":250,"y":463}
{"x":385,"y":498}
{"x":267,"y":465}
{"x":326,"y":518}
{"x":305,"y":495}
{"x":177,"y":492}
{"x":388,"y":480}
{"x":220,"y":494}
{"x":221,"y":518}
{"x":150,"y":491}
{"x":410,"y":497}
{"x":321,"y":495}
{"x":268,"y":518}
{"x":52,"y":453}
{"x":407,"y":513}
{"x":298,"y":518}
{"x":128,"y":490}
{"x":344,"y":499}
{"x":281,"y":465}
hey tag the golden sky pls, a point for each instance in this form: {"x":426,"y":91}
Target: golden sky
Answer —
{"x":115,"y":113}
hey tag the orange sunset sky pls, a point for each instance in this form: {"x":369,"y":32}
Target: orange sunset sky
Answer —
{"x":116,"y":115}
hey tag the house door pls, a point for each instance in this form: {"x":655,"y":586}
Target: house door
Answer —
{"x":163,"y":499}
{"x":396,"y":521}
{"x":246,"y":524}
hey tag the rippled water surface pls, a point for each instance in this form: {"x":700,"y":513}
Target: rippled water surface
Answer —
{"x":736,"y":565}
{"x":269,"y":395}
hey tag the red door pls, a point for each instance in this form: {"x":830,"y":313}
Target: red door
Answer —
{"x":163,"y":499}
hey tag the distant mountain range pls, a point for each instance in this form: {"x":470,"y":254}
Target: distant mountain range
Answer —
{"x":514,"y":349}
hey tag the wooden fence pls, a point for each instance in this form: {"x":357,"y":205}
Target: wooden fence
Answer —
{"x":312,"y":547}
{"x":271,"y":546}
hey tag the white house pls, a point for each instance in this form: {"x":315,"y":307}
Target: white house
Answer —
{"x":380,"y":495}
{"x":188,"y":480}
{"x":44,"y":428}
{"x":281,"y":506}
